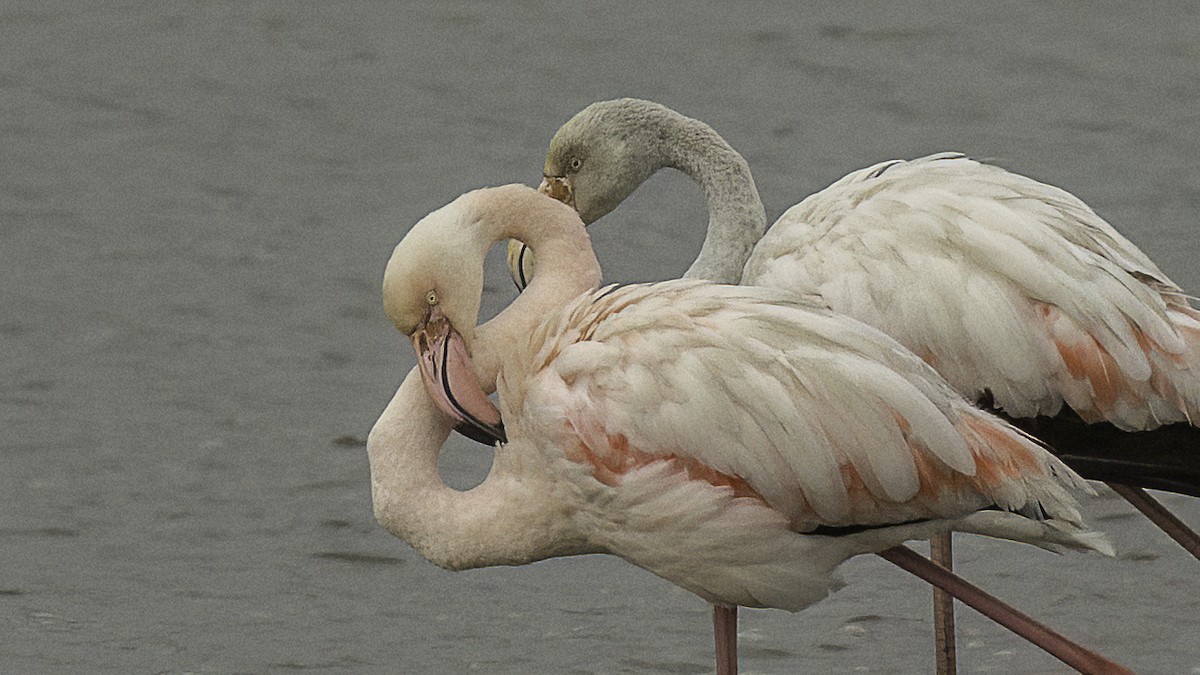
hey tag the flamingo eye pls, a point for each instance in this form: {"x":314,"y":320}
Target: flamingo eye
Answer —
{"x":431,"y":298}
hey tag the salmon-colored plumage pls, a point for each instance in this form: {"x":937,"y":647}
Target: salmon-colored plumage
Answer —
{"x":1009,"y":287}
{"x":610,"y":463}
{"x":823,"y":420}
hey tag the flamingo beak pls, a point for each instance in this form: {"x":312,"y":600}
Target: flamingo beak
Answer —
{"x":450,"y":379}
{"x":520,"y":258}
{"x":560,"y":188}
{"x":520,"y":263}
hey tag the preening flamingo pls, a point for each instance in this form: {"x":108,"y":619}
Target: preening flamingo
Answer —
{"x":735,"y":441}
{"x":1016,"y":291}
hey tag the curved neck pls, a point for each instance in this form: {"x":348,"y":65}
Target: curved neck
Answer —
{"x":502,"y":521}
{"x":564,"y":268}
{"x":736,"y":218}
{"x":403,"y":449}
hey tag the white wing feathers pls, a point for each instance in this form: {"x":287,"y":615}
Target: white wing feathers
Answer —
{"x":827,"y":420}
{"x":1003,"y":283}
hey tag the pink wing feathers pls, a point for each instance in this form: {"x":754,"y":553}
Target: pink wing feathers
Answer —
{"x":822,"y":418}
{"x":1002,"y":283}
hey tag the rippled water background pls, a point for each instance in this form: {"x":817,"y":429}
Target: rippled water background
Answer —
{"x":196,"y":203}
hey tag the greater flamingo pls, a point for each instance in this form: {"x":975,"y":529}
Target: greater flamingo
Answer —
{"x":1016,"y":291}
{"x":733,"y":440}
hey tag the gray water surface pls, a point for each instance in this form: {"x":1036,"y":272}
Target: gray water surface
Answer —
{"x":196,"y":203}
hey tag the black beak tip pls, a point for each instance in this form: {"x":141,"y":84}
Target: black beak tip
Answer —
{"x":486,"y":434}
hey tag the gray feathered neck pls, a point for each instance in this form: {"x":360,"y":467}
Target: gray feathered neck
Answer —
{"x":630,"y":139}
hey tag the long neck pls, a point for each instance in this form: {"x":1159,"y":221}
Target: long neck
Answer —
{"x":565,"y":268}
{"x":736,"y":219}
{"x":506,"y":519}
{"x":406,"y":489}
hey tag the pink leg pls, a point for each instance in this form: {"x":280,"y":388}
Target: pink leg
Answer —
{"x":1079,"y":658}
{"x":725,"y":630}
{"x":941,"y":552}
{"x":1164,"y":519}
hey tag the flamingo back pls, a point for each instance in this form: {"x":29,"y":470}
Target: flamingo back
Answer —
{"x":1007,"y":286}
{"x":822,"y":418}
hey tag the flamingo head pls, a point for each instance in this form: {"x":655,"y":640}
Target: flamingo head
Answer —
{"x":600,"y":156}
{"x":596,"y":160}
{"x":431,"y":292}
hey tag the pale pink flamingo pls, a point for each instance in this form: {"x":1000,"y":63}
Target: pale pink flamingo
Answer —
{"x":735,"y":441}
{"x":1016,"y":291}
